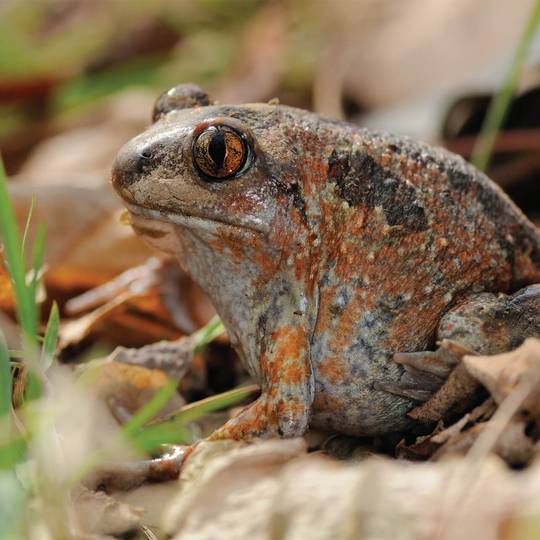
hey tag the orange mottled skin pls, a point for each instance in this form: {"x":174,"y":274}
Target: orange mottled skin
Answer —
{"x":332,"y":249}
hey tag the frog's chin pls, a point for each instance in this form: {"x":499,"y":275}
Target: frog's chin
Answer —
{"x":156,"y":233}
{"x":153,"y":222}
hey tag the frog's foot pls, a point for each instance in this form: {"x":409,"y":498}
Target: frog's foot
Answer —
{"x":266,"y":418}
{"x":129,"y":475}
{"x":425,"y":372}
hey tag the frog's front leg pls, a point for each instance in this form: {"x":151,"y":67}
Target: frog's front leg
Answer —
{"x":485,"y":324}
{"x":282,"y":410}
{"x":284,"y":406}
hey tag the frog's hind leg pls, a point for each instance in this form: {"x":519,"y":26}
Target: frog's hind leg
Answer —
{"x":485,"y":324}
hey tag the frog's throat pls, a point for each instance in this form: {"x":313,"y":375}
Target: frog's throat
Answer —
{"x":199,"y":221}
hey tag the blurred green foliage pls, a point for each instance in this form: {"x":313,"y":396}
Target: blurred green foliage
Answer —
{"x":63,"y":42}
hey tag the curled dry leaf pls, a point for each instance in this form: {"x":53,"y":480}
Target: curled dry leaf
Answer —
{"x":513,"y":445}
{"x":455,"y":396}
{"x":504,"y":373}
{"x":150,"y":302}
{"x":427,"y":446}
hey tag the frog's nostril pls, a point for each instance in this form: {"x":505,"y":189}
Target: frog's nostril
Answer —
{"x":146,"y":155}
{"x":145,"y":159}
{"x":131,"y":164}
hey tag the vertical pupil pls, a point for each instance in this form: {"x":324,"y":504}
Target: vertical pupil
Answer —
{"x":217,"y":150}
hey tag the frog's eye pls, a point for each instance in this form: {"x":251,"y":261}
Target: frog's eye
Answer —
{"x":219,"y":152}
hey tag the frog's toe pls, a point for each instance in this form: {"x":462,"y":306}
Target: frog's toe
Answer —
{"x":424,"y":372}
{"x":129,"y":475}
{"x":430,"y":362}
{"x":414,"y":383}
{"x":416,"y":394}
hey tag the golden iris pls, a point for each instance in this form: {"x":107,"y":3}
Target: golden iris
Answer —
{"x":219,"y":152}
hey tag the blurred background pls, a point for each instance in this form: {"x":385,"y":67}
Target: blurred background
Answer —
{"x":78,"y":78}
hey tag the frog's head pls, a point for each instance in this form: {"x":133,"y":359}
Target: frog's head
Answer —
{"x":223,"y":187}
{"x":211,"y":167}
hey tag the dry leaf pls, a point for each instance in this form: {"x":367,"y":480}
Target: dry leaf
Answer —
{"x":456,"y":395}
{"x":97,"y":513}
{"x":383,"y":52}
{"x":258,"y":72}
{"x":86,"y":243}
{"x":126,"y":388}
{"x":234,"y":482}
{"x":270,"y":490}
{"x":147,"y":303}
{"x":171,"y":357}
{"x":501,"y":374}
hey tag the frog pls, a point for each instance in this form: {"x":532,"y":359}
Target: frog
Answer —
{"x":338,"y":258}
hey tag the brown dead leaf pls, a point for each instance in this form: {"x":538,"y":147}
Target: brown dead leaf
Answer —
{"x":126,"y":388}
{"x":147,"y":303}
{"x":398,"y":44}
{"x":456,"y":395}
{"x":87,"y":144}
{"x":171,"y":357}
{"x":501,"y":374}
{"x":7,"y":300}
{"x":513,"y":445}
{"x":425,"y":447}
{"x":154,"y":498}
{"x":258,"y":72}
{"x":11,"y":331}
{"x":86,"y":244}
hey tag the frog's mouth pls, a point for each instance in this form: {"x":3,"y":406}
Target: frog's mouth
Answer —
{"x":200,"y":219}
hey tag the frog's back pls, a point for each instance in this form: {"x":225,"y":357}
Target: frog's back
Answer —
{"x":414,"y":231}
{"x":420,"y":186}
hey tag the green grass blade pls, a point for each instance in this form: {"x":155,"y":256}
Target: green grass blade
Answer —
{"x":11,"y":453}
{"x":33,"y":387}
{"x":499,"y":106}
{"x":27,"y":225}
{"x":175,"y":431}
{"x":5,"y":380}
{"x":38,"y":251}
{"x":51,"y":338}
{"x":151,"y":438}
{"x":150,"y":409}
{"x":207,"y":333}
{"x":10,"y":236}
{"x":192,"y":411}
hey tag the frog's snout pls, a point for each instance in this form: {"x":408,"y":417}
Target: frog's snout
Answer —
{"x":130,"y":164}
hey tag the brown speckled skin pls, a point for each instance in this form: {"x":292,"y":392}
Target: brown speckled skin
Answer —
{"x":336,"y":248}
